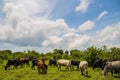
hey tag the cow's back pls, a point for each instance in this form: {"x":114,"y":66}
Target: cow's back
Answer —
{"x":114,"y":64}
{"x":83,"y":64}
{"x":64,"y":62}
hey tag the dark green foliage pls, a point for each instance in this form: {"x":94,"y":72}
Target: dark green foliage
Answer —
{"x":90,"y":54}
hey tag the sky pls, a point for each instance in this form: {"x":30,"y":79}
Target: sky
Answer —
{"x":44,"y":25}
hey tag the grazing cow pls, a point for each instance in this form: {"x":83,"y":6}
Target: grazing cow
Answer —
{"x":53,"y":62}
{"x":99,"y":64}
{"x":83,"y":66}
{"x":23,"y":61}
{"x":11,"y":62}
{"x":64,"y":62}
{"x":34,"y":63}
{"x":113,"y":67}
{"x":75,"y":63}
{"x":42,"y":67}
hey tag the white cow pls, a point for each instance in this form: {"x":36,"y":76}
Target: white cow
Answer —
{"x":113,"y":66}
{"x":64,"y":62}
{"x":83,"y":66}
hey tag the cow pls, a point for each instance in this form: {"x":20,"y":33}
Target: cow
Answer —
{"x":34,"y":63}
{"x":83,"y":66}
{"x":64,"y":62}
{"x":11,"y":62}
{"x":53,"y":62}
{"x":75,"y":63}
{"x":111,"y":66}
{"x":42,"y":67}
{"x":99,"y":64}
{"x":23,"y":61}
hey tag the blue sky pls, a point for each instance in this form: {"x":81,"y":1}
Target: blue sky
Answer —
{"x":44,"y":25}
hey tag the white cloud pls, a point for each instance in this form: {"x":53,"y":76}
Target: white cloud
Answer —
{"x":83,"y":5}
{"x":88,"y":25}
{"x":67,"y":41}
{"x":109,"y":36}
{"x":34,"y":31}
{"x":17,"y":10}
{"x":102,"y":14}
{"x":76,"y":41}
{"x":27,"y":26}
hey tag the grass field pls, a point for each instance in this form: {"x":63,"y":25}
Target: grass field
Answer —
{"x":27,"y":73}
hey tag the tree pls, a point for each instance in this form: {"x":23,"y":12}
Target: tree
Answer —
{"x":58,"y":51}
{"x":115,"y":53}
{"x":75,"y":54}
{"x":91,"y":54}
{"x":32,"y":54}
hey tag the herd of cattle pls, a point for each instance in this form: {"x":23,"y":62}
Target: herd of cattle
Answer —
{"x":106,"y":66}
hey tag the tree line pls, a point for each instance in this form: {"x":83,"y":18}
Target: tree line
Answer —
{"x":90,"y":54}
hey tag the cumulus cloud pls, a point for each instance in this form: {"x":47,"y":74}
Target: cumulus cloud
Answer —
{"x":88,"y":25}
{"x":26,"y":22}
{"x":109,"y":36}
{"x":76,"y":41}
{"x":82,"y":7}
{"x":27,"y":26}
{"x":67,"y":41}
{"x":102,"y":14}
{"x":17,"y":10}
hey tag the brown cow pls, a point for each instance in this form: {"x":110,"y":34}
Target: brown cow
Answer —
{"x":41,"y":67}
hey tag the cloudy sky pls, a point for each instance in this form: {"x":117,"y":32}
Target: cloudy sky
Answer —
{"x":44,"y":25}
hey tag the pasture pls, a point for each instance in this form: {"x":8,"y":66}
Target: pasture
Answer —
{"x":27,"y":73}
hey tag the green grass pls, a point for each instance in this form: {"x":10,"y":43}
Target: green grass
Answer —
{"x":27,"y":73}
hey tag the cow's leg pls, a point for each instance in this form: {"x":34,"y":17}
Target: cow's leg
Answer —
{"x":66,"y":68}
{"x":81,"y":71}
{"x":15,"y":66}
{"x":45,"y":70}
{"x":8,"y":67}
{"x":38,"y":70}
{"x":77,"y":67}
{"x":86,"y":72}
{"x":112,"y":73}
{"x":5,"y":67}
{"x":59,"y":67}
{"x":71,"y":67}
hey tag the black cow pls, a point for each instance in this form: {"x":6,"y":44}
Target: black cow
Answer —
{"x":11,"y":62}
{"x":53,"y":62}
{"x":75,"y":63}
{"x":23,"y":61}
{"x":99,"y":64}
{"x":34,"y":63}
